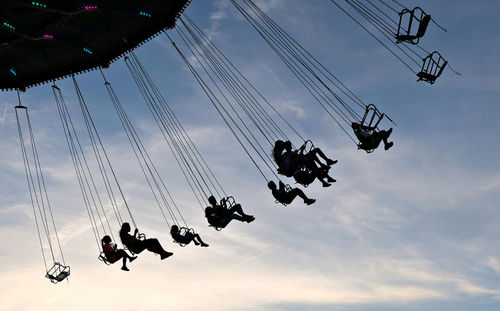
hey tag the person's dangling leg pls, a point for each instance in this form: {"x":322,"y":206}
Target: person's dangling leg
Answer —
{"x":324,"y":174}
{"x":237,"y":209}
{"x":153,"y":245}
{"x":191,"y":237}
{"x":121,"y":254}
{"x":385,"y":136}
{"x":198,"y":240}
{"x":297,"y":192}
{"x":318,"y":152}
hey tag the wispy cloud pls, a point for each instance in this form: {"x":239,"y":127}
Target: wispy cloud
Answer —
{"x":4,"y":116}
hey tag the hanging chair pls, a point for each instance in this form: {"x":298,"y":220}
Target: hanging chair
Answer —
{"x":229,"y":202}
{"x":304,"y":176}
{"x":58,"y":273}
{"x":183,"y":231}
{"x":409,"y":20}
{"x":102,"y":257}
{"x":288,"y":188}
{"x":432,"y":67}
{"x":369,"y":123}
{"x":371,"y":118}
{"x":301,"y":170}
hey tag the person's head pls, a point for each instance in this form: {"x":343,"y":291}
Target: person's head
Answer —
{"x":212,"y":200}
{"x":279,"y":145}
{"x":106,"y":240}
{"x":288,"y":145}
{"x":174,"y":229}
{"x":271,"y":185}
{"x":125,"y":228}
{"x":355,"y":126}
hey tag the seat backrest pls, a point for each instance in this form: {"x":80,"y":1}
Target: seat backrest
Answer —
{"x":423,"y":26}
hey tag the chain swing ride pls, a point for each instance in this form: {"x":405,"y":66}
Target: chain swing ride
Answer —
{"x":49,"y":40}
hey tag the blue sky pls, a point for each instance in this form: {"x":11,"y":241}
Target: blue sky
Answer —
{"x":414,"y":228}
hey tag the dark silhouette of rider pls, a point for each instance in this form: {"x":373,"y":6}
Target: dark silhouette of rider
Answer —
{"x":113,"y":254}
{"x":136,"y":246}
{"x":220,"y":215}
{"x":185,"y":236}
{"x":304,"y":167}
{"x":286,"y":196}
{"x":370,"y":138}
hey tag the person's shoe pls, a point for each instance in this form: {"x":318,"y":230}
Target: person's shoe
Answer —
{"x":309,"y":201}
{"x":196,"y":243}
{"x":166,"y":255}
{"x":125,"y":268}
{"x":388,"y":145}
{"x":249,"y":218}
{"x":132,"y":258}
{"x":331,"y":162}
{"x":331,"y":179}
{"x":325,"y":184}
{"x":204,"y":245}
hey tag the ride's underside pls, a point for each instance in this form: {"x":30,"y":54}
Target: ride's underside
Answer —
{"x":44,"y":40}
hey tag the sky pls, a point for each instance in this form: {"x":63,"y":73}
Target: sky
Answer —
{"x":412,"y":228}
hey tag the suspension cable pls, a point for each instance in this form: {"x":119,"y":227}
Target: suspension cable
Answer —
{"x":39,"y":198}
{"x":220,"y":108}
{"x":88,"y":187}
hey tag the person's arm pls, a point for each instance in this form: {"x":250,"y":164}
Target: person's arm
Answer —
{"x":135,"y":232}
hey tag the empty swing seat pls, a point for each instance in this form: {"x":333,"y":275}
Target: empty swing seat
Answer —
{"x":58,"y":273}
{"x":415,"y":16}
{"x":432,"y":67}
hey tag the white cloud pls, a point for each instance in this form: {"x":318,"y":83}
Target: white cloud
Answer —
{"x":494,"y":263}
{"x":4,"y":116}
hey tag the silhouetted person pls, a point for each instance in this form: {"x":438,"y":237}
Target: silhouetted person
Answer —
{"x":292,"y":162}
{"x":185,"y":236}
{"x":285,"y":196}
{"x":136,"y":245}
{"x":369,"y":138}
{"x":220,"y":215}
{"x":113,"y":255}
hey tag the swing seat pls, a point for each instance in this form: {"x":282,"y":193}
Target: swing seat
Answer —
{"x":304,"y":147}
{"x":432,"y":67}
{"x":417,"y":16}
{"x":229,"y":203}
{"x":102,"y":257}
{"x":371,"y":118}
{"x":302,"y":151}
{"x":367,"y":150}
{"x":58,"y":273}
{"x":305,"y":176}
{"x":287,"y":189}
{"x":183,"y":231}
{"x":278,"y":202}
{"x":369,"y":124}
{"x":216,"y":228}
